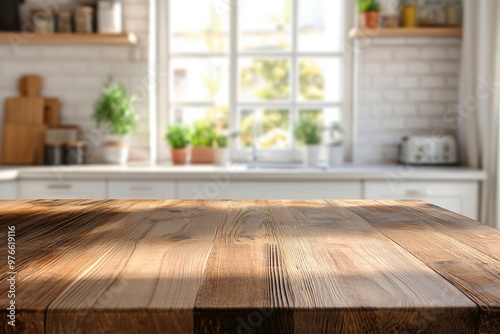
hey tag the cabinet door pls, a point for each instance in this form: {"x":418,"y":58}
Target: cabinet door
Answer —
{"x":62,"y":190}
{"x":460,"y":197}
{"x":141,"y":190}
{"x":8,"y":190}
{"x":268,"y":190}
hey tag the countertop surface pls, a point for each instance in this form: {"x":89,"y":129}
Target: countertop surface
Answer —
{"x":248,"y":266}
{"x":241,"y":172}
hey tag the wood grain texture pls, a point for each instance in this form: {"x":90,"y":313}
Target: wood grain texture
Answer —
{"x":249,"y":267}
{"x":452,"y":252}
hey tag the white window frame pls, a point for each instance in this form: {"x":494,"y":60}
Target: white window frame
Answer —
{"x":161,"y":100}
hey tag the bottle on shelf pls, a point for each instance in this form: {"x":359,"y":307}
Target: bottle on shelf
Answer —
{"x":409,"y":15}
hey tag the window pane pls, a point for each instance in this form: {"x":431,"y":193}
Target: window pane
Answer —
{"x":319,"y":79}
{"x":265,"y":25}
{"x":200,"y":80}
{"x":320,"y":25}
{"x":216,"y":115}
{"x":269,"y":127}
{"x":326,"y":116}
{"x":264,"y":79}
{"x":198,"y":26}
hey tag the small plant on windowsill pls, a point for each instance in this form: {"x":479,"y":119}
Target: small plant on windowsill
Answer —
{"x":308,"y":132}
{"x":115,"y":110}
{"x":179,"y":138}
{"x":222,"y":154}
{"x":203,"y":139}
{"x":336,"y":144}
{"x":369,"y":13}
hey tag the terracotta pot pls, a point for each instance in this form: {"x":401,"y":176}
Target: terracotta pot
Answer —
{"x":179,"y":156}
{"x":202,"y":155}
{"x":369,"y":20}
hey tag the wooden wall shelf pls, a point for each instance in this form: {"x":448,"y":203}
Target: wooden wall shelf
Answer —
{"x":405,"y":32}
{"x":19,"y":39}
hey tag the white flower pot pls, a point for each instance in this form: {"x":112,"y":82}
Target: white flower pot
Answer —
{"x":115,"y":150}
{"x":312,"y":155}
{"x":222,"y":156}
{"x":335,"y":155}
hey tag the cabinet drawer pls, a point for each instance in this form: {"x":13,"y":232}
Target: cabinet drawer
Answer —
{"x":269,"y":190}
{"x":8,"y":190}
{"x":141,"y":190}
{"x":460,"y":197}
{"x":62,"y":190}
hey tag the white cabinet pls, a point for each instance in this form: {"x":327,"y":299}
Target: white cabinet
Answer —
{"x":33,"y":189}
{"x":460,"y":197}
{"x":141,"y":190}
{"x":8,"y":190}
{"x":268,"y":190}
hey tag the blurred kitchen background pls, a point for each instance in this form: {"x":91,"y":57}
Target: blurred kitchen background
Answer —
{"x":277,"y":99}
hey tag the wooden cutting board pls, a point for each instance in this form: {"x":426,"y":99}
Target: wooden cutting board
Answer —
{"x":24,"y":110}
{"x":52,"y":112}
{"x":22,"y":144}
{"x":30,"y":85}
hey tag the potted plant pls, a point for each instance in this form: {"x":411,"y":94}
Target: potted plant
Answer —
{"x":336,"y":145}
{"x":369,"y":13}
{"x":178,"y":137}
{"x":115,"y":110}
{"x":308,"y":131}
{"x":222,"y":156}
{"x":202,"y":140}
{"x":222,"y":153}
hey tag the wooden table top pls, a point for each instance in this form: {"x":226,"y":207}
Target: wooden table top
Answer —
{"x":248,"y":267}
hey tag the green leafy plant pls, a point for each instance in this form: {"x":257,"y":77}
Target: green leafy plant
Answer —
{"x":115,"y":108}
{"x":178,"y":136}
{"x":365,"y":6}
{"x":203,"y":134}
{"x":222,"y":140}
{"x":308,"y":131}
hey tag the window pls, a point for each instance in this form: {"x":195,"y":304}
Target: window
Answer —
{"x":256,"y":66}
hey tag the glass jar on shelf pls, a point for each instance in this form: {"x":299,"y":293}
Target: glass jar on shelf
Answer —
{"x":64,"y":22}
{"x":409,"y":15}
{"x":454,"y":13}
{"x":432,"y":14}
{"x":43,"y":21}
{"x":84,"y":19}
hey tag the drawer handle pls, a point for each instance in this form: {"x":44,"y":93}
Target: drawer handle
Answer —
{"x":59,"y":186}
{"x":140,"y":188}
{"x":419,"y":193}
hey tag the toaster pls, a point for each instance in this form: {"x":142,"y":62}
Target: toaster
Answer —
{"x":428,"y":150}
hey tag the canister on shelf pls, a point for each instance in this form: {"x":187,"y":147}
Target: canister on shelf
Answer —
{"x":453,"y":13}
{"x":43,"y":21}
{"x":74,"y":153}
{"x":64,"y":22}
{"x":84,"y":19}
{"x":409,"y":15}
{"x":432,"y":14}
{"x":53,"y":153}
{"x":109,"y":16}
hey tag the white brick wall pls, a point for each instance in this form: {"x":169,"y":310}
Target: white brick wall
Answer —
{"x":75,"y":73}
{"x":405,"y":86}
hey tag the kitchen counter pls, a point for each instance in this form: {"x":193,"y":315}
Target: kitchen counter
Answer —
{"x":241,"y":172}
{"x":190,"y":266}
